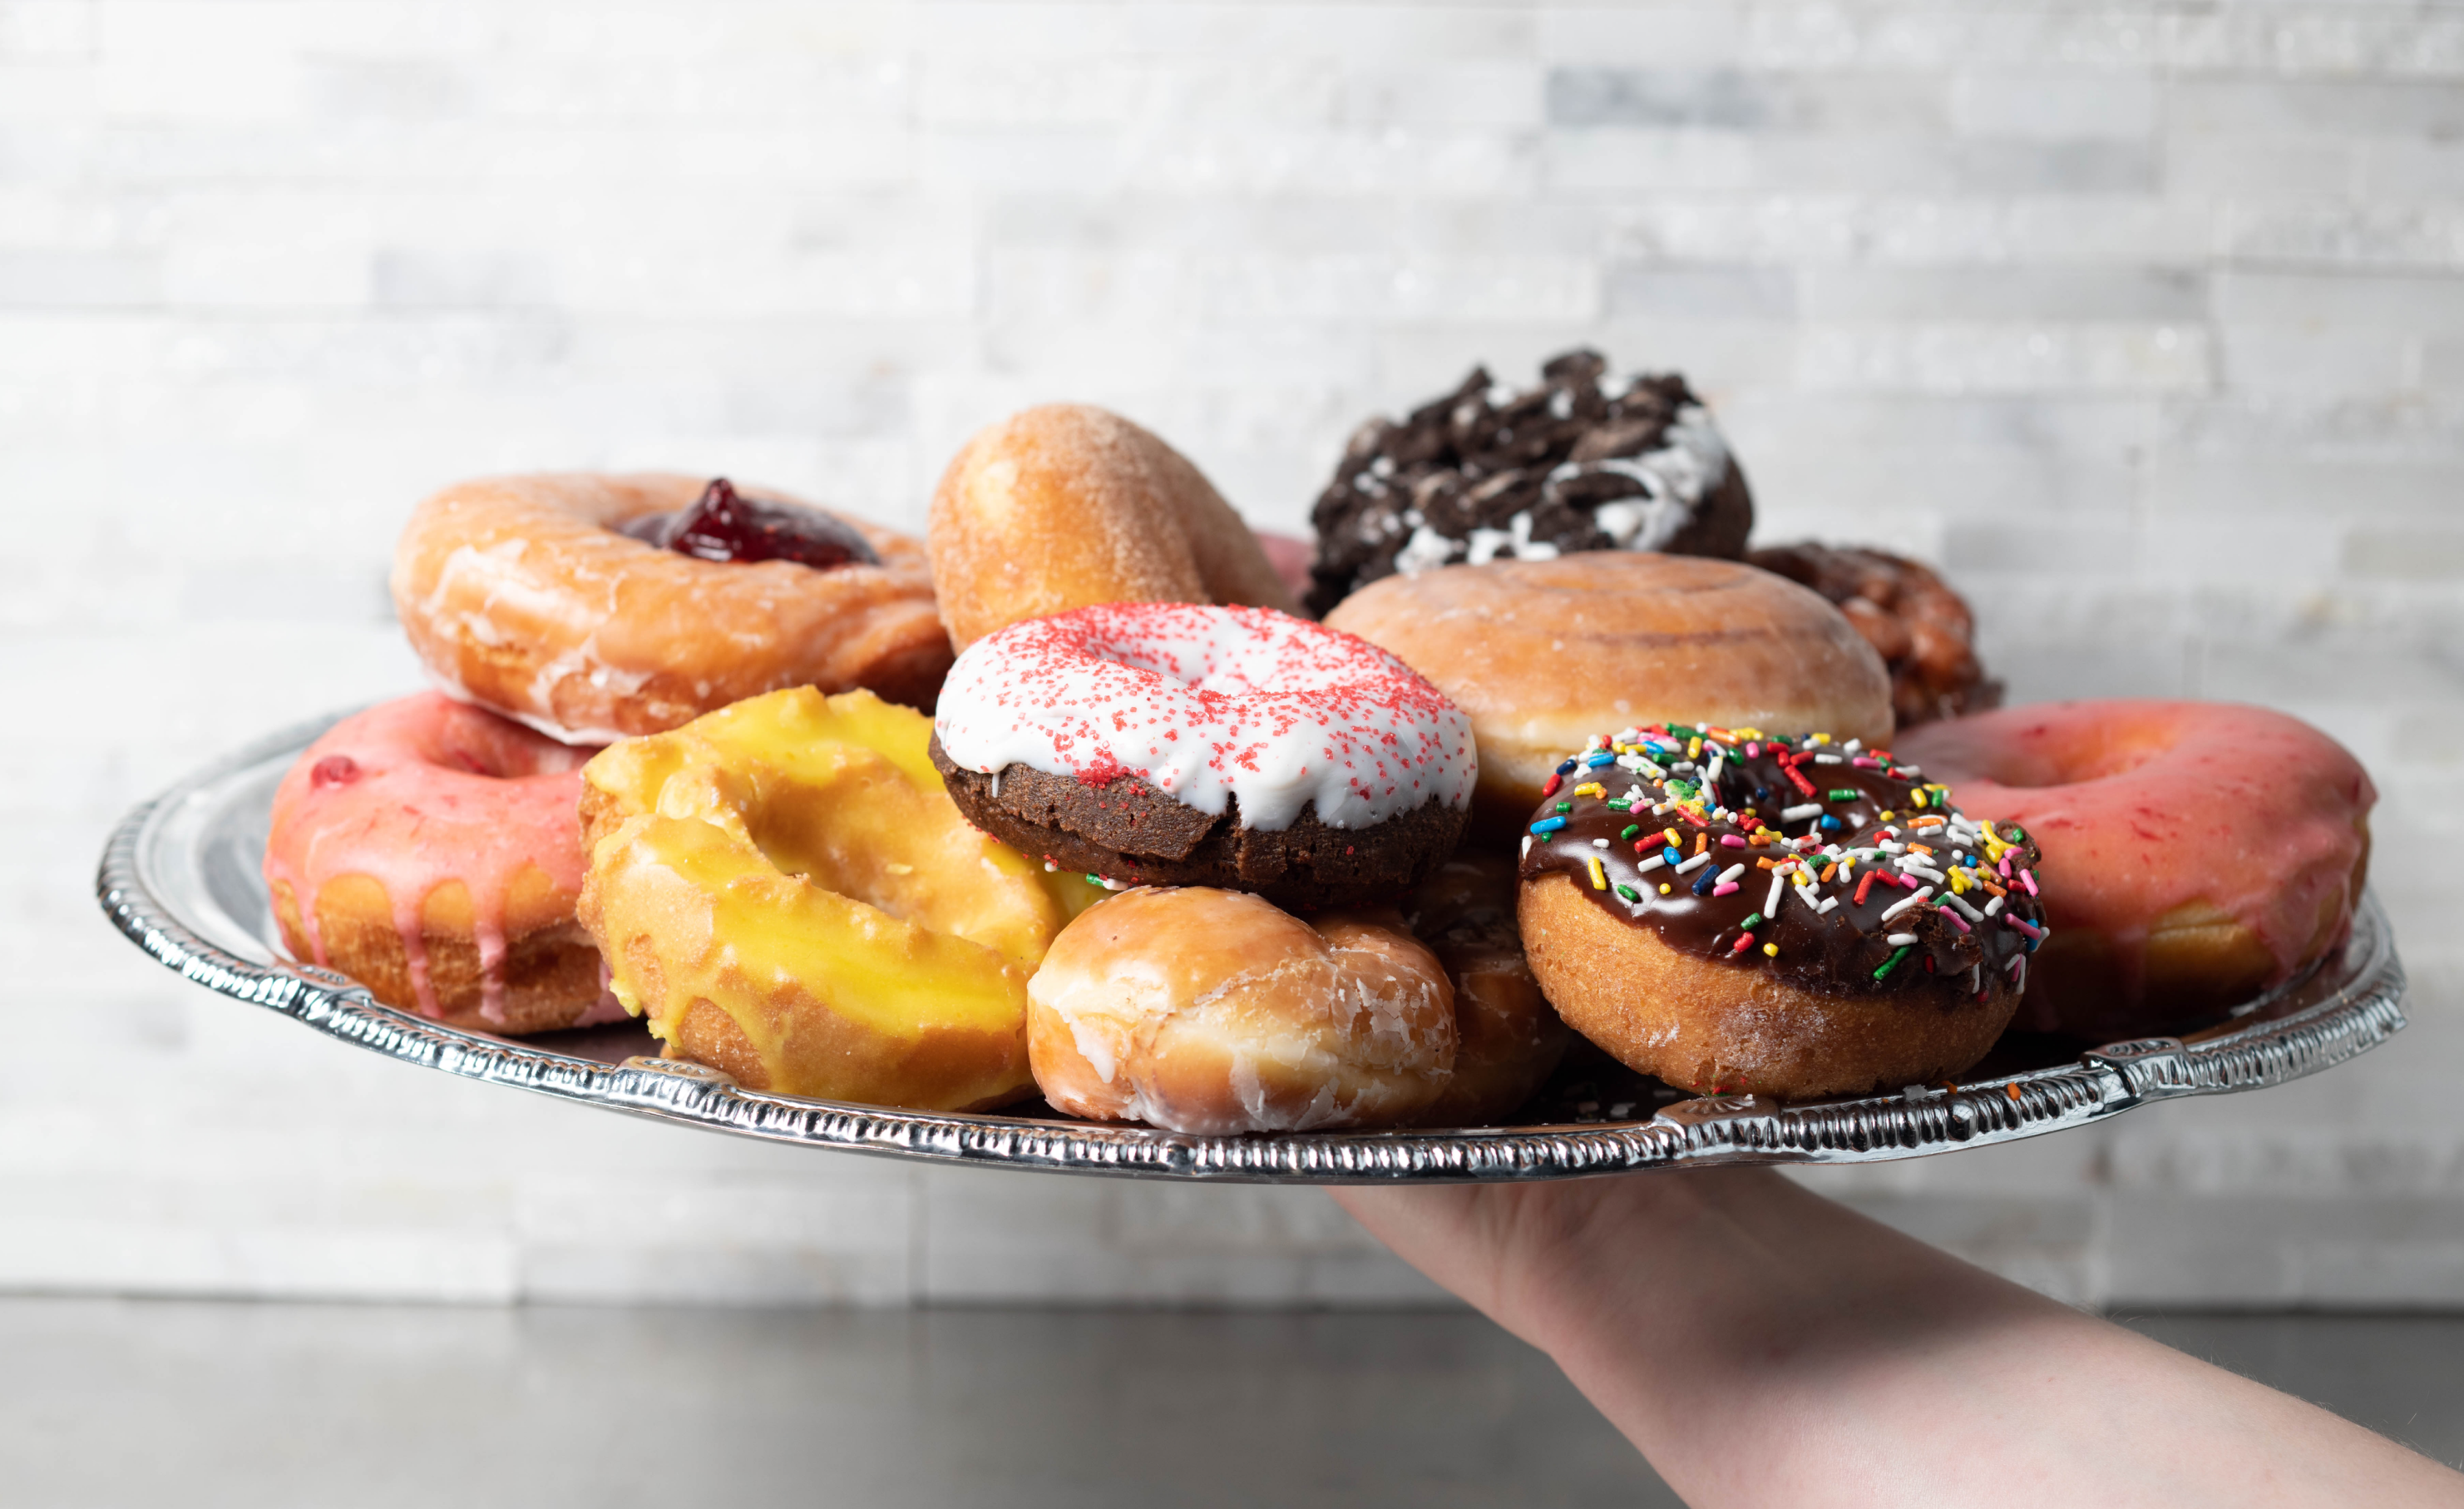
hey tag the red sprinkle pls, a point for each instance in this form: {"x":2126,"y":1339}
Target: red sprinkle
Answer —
{"x":1549,"y":788}
{"x":333,"y":770}
{"x":1866,"y":884}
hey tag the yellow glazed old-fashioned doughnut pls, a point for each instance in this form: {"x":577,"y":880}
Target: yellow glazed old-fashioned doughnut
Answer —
{"x":786,"y":893}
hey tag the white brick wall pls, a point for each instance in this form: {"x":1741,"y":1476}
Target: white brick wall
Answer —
{"x":2147,"y":322}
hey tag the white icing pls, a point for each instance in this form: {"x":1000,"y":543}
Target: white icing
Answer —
{"x":1427,"y":551}
{"x":1211,"y":705}
{"x":1693,"y":462}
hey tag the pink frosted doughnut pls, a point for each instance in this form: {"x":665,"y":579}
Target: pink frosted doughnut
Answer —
{"x":432,"y":852}
{"x":2196,"y":852}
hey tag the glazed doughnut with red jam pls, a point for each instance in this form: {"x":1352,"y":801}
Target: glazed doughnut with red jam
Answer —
{"x":432,"y":852}
{"x":2196,"y":852}
{"x":594,"y":608}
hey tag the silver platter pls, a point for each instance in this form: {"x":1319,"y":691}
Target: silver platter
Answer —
{"x":181,"y":878}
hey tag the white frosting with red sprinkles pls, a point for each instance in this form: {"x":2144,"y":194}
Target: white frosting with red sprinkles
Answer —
{"x":1209,"y":705}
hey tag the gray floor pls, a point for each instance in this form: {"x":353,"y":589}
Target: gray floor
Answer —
{"x":126,"y":1403}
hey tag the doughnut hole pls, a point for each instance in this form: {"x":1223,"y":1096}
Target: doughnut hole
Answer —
{"x":1216,"y":1012}
{"x":1706,"y":1025}
{"x":549,"y":960}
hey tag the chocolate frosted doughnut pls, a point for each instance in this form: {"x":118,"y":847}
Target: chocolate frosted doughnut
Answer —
{"x":1919,"y":626}
{"x":1485,"y":473}
{"x":1732,"y":911}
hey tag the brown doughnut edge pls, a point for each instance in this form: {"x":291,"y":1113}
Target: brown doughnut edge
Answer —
{"x":1127,"y":829}
{"x":1708,"y":1027}
{"x":1507,"y":1038}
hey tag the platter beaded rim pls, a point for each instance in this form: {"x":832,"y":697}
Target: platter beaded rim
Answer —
{"x":176,"y":878}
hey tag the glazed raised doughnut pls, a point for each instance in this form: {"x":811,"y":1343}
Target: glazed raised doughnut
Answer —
{"x":782,"y":889}
{"x":1787,"y":916}
{"x":596,"y":606}
{"x":1545,"y":654}
{"x":1170,"y":744}
{"x":2196,"y":852}
{"x":1066,"y":507}
{"x":431,"y":851}
{"x":1213,"y":1011}
{"x":1507,"y":1039}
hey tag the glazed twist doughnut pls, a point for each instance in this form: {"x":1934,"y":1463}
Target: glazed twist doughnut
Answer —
{"x":1070,"y":506}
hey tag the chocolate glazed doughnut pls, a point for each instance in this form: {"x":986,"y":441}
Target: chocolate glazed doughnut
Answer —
{"x":1729,"y":911}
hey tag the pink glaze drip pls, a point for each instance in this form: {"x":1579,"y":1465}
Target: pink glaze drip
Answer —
{"x":416,"y":792}
{"x":2144,"y":807}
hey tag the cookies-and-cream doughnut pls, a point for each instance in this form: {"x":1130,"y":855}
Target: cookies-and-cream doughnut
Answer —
{"x":784,"y":892}
{"x":1183,"y":744}
{"x":2196,"y":852}
{"x":1796,"y":917}
{"x":540,"y":597}
{"x":1543,"y":655}
{"x":431,"y":851}
{"x":1067,"y":505}
{"x":1507,"y":1039}
{"x":1213,"y":1011}
{"x":1487,"y":474}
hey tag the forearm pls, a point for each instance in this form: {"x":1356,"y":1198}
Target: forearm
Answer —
{"x":1761,"y":1345}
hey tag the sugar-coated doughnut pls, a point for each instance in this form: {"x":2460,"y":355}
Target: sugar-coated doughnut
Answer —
{"x":1213,"y":1011}
{"x":1543,"y":654}
{"x":2196,"y":852}
{"x":431,"y":851}
{"x":1068,"y":506}
{"x":1175,"y":744}
{"x":1507,"y":1038}
{"x":535,"y":596}
{"x":1731,"y":910}
{"x":1580,"y":462}
{"x":783,"y":889}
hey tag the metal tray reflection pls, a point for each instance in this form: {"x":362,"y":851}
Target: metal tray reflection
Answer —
{"x":179,"y":877}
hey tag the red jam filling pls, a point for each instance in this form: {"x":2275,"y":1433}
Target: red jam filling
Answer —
{"x":724,"y":525}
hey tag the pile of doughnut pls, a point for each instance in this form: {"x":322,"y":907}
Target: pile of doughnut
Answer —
{"x":1075,"y":798}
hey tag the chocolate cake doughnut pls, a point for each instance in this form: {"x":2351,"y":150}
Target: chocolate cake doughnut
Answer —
{"x":1485,"y":473}
{"x":1176,"y":744}
{"x":1788,"y":917}
{"x":1919,"y":626}
{"x":1128,"y":832}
